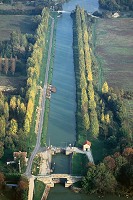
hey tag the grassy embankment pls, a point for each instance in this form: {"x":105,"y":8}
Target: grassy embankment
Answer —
{"x":38,"y":190}
{"x":80,"y":168}
{"x":41,"y":82}
{"x":114,"y":52}
{"x":47,"y":104}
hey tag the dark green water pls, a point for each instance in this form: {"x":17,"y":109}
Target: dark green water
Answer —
{"x":59,"y":192}
{"x":62,"y":165}
{"x":61,"y":127}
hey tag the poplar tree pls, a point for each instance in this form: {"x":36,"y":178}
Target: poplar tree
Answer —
{"x":105,"y":88}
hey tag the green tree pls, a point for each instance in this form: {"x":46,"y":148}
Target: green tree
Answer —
{"x":94,"y":125}
{"x":6,"y":111}
{"x":86,"y":121}
{"x":2,"y":127}
{"x":120,"y":161}
{"x":9,"y":144}
{"x":13,"y":65}
{"x":88,"y":181}
{"x":6,"y":65}
{"x":22,"y":138}
{"x":104,"y":180}
{"x":1,"y":149}
{"x":26,"y":125}
{"x":1,"y":106}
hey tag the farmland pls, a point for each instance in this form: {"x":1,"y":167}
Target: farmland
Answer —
{"x":114,"y":52}
{"x":9,"y":23}
{"x":21,"y":23}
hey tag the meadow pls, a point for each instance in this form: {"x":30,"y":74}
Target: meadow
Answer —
{"x":9,"y":23}
{"x":114,"y":51}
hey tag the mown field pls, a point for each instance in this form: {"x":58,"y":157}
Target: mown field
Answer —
{"x":114,"y":51}
{"x":9,"y":23}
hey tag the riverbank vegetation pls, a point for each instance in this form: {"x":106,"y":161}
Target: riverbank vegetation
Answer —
{"x":115,"y":5}
{"x":113,"y":175}
{"x":87,"y":121}
{"x":101,"y":114}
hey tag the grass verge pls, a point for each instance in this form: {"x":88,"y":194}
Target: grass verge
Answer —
{"x":36,"y":165}
{"x":38,"y":190}
{"x":47,"y":103}
{"x":79,"y":164}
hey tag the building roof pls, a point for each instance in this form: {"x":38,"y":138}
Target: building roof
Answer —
{"x":17,"y":154}
{"x":87,"y":142}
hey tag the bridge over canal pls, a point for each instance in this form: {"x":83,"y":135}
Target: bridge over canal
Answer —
{"x":50,"y":180}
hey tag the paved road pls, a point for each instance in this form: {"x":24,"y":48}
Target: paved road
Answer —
{"x":38,"y":141}
{"x":77,"y":150}
{"x":31,"y":188}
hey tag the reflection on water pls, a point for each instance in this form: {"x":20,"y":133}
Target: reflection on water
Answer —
{"x":59,"y":192}
{"x":61,"y":127}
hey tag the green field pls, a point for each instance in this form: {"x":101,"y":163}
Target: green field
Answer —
{"x":79,"y":164}
{"x":113,"y":40}
{"x":9,"y":23}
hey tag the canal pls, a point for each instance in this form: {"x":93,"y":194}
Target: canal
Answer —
{"x":62,"y":123}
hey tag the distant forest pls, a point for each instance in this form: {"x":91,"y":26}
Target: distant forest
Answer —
{"x":113,"y":5}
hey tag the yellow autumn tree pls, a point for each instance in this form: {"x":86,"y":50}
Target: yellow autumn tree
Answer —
{"x":105,"y":88}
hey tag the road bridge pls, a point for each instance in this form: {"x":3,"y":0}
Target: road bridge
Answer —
{"x":50,"y":180}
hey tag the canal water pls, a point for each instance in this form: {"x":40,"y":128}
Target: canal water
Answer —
{"x":62,"y":124}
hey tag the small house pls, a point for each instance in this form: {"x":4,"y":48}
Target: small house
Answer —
{"x":86,"y":145}
{"x":116,"y":15}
